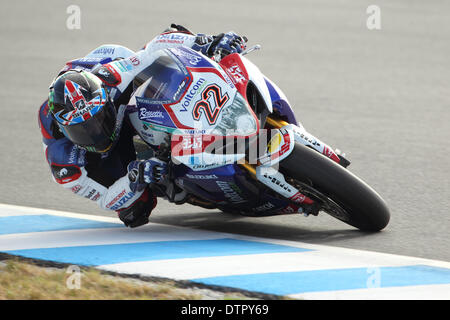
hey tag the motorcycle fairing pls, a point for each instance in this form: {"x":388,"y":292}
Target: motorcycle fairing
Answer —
{"x":172,"y":97}
{"x":279,"y":147}
{"x":187,"y":87}
{"x":280,"y":104}
{"x":99,"y":56}
{"x":229,"y":189}
{"x":242,"y":71}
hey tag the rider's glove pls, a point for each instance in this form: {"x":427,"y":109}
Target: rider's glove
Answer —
{"x":143,"y":172}
{"x":224,"y":43}
{"x":137,"y":214}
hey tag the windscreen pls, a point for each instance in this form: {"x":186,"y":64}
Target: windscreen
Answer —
{"x":163,"y":81}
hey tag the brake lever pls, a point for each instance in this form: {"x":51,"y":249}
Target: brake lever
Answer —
{"x":247,"y":51}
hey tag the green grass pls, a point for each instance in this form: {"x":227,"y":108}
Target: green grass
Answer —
{"x":25,"y":281}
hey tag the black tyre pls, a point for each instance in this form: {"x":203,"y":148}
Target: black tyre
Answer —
{"x":339,"y":192}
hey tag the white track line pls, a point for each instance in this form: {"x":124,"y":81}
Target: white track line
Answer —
{"x":162,"y":232}
{"x":425,"y":292}
{"x":320,"y":257}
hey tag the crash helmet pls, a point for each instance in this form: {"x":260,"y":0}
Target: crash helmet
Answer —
{"x":83,"y":110}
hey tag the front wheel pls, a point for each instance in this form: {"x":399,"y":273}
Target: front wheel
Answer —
{"x":337,"y":191}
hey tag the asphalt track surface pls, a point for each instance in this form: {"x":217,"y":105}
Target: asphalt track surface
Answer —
{"x":381,"y":96}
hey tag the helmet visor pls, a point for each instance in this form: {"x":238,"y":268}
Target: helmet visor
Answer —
{"x":96,"y":134}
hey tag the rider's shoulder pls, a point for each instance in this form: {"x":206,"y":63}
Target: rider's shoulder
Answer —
{"x":63,"y":152}
{"x":66,"y":161}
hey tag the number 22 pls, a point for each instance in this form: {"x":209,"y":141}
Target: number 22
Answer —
{"x":211,"y":91}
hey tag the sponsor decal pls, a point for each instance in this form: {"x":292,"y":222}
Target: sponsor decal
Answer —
{"x":180,"y":90}
{"x":287,"y":143}
{"x":96,"y":197}
{"x":192,"y":142}
{"x":211,"y":93}
{"x":122,"y":201}
{"x":193,"y":92}
{"x":150,"y":112}
{"x":327,"y":151}
{"x":65,"y":173}
{"x":278,"y":145}
{"x":194,"y":131}
{"x":120,"y":195}
{"x":83,"y":109}
{"x":274,"y":143}
{"x":284,"y":148}
{"x":307,"y":138}
{"x":228,"y":79}
{"x":202,"y":176}
{"x":204,"y":166}
{"x":235,"y":69}
{"x":88,"y":62}
{"x":171,"y":38}
{"x":145,"y":114}
{"x":104,"y":51}
{"x":274,"y":180}
{"x":265,"y":207}
{"x":108,"y":75}
{"x":62,"y":173}
{"x":298,"y":197}
{"x":330,"y":154}
{"x":231,"y":191}
{"x":134,"y":61}
{"x":76,"y":156}
{"x":237,"y":74}
{"x":75,"y":189}
{"x":193,"y":59}
{"x":290,"y":209}
{"x":91,"y":194}
{"x":133,"y":175}
{"x":103,"y":72}
{"x":122,"y":65}
{"x":189,"y":144}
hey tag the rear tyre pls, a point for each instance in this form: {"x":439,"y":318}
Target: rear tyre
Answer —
{"x":339,"y":192}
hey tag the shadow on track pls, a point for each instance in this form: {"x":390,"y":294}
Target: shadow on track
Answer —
{"x":264,"y":227}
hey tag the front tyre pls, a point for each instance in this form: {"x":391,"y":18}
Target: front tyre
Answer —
{"x":338,"y":191}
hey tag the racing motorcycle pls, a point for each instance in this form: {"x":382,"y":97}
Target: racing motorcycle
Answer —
{"x":233,"y":143}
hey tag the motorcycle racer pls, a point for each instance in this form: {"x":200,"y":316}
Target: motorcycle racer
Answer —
{"x":88,"y":140}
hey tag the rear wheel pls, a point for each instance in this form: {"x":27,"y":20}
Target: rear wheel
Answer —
{"x":337,"y":191}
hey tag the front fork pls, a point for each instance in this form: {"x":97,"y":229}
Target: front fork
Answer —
{"x":280,"y":146}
